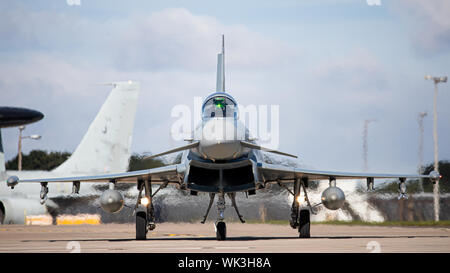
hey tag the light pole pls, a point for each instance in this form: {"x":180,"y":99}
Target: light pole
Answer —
{"x":19,"y":154}
{"x":420,"y":121}
{"x":365,"y":144}
{"x":435,"y":138}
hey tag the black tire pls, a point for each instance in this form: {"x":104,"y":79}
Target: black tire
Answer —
{"x":221,"y":231}
{"x":141,"y":226}
{"x":305,"y":224}
{"x":2,"y":213}
{"x":2,"y":216}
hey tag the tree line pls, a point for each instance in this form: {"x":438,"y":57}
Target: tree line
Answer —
{"x":43,"y":160}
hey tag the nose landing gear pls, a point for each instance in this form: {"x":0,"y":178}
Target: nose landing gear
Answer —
{"x":221,"y":231}
{"x":221,"y":228}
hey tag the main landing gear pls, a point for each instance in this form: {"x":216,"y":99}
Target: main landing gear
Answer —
{"x":145,"y":213}
{"x":300,"y":218}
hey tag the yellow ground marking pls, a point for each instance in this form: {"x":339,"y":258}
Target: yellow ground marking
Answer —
{"x":82,"y":219}
{"x":41,"y":220}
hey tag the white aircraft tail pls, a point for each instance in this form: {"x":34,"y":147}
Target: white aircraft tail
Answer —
{"x":220,"y":85}
{"x":106,"y":145}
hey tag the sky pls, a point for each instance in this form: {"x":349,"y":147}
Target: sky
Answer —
{"x":328,"y":65}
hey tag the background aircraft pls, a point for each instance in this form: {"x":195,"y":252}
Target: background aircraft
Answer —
{"x":105,"y":148}
{"x":12,"y":117}
{"x":16,"y":116}
{"x":220,"y":159}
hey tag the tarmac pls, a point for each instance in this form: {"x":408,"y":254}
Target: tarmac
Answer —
{"x":241,"y":238}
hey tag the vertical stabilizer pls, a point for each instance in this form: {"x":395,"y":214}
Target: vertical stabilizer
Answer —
{"x":220,"y":85}
{"x":106,"y":145}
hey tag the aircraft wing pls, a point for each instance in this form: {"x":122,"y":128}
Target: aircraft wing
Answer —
{"x":157,"y":175}
{"x":274,"y":173}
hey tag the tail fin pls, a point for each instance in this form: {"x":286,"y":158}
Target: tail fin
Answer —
{"x":106,"y":145}
{"x":220,"y":85}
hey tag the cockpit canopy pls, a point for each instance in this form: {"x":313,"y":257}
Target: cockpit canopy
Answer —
{"x":219,"y":105}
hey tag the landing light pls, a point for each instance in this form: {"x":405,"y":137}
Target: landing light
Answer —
{"x":299,"y":199}
{"x":145,"y":201}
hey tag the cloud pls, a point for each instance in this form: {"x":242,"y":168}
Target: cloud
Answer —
{"x":177,"y":39}
{"x":172,"y":38}
{"x":429,"y":21}
{"x":50,"y":61}
{"x":357,"y":71}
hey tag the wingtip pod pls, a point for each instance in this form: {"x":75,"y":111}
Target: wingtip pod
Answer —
{"x":435,"y":176}
{"x":12,"y":181}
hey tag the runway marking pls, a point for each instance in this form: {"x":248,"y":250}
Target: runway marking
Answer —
{"x":178,"y":248}
{"x":233,"y":247}
{"x":120,"y":238}
{"x":178,"y":235}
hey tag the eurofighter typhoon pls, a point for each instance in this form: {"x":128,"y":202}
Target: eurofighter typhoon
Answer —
{"x":221,"y":159}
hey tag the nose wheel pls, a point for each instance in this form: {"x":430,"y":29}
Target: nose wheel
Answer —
{"x":221,"y":231}
{"x":221,"y":228}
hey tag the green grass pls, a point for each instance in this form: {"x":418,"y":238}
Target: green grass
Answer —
{"x":445,"y":223}
{"x":272,"y":222}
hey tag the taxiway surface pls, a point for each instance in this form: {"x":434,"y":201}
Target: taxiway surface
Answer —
{"x":249,"y":238}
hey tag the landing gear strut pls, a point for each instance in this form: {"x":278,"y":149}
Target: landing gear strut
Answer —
{"x":232,"y":196}
{"x":211,"y":200}
{"x":300,"y":218}
{"x":295,"y":206}
{"x":221,"y":228}
{"x":145,"y":216}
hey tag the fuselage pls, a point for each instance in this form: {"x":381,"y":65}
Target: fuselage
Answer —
{"x":220,"y":132}
{"x":220,"y":162}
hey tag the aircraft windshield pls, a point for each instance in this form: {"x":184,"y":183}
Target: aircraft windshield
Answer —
{"x":219,"y":107}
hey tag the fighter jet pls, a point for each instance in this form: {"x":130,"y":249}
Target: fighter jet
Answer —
{"x":221,"y":159}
